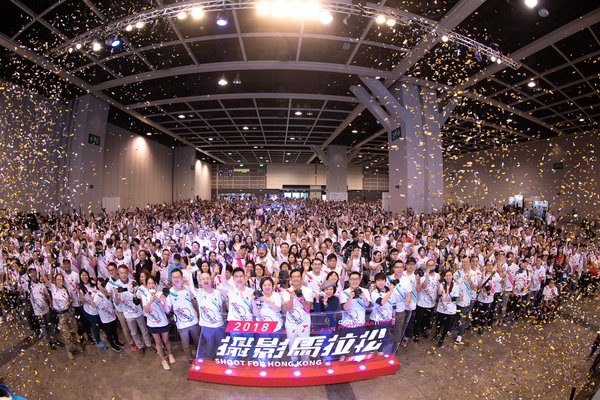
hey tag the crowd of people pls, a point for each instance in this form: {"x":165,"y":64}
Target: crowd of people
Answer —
{"x":148,"y":276}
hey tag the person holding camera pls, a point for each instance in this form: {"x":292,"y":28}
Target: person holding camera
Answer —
{"x":266,"y":304}
{"x":112,"y":283}
{"x":448,"y":293}
{"x":427,"y":289}
{"x":40,"y":303}
{"x":124,"y":296}
{"x":61,"y":304}
{"x":153,"y":304}
{"x":402,"y":288}
{"x":482,"y":310}
{"x":316,"y":277}
{"x":108,"y":317}
{"x":383,"y":312}
{"x":355,"y":301}
{"x":182,"y":302}
{"x":211,"y":312}
{"x":298,"y":302}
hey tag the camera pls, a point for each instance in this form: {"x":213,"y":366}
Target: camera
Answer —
{"x":395,"y":282}
{"x":357,"y":292}
{"x":420,"y":272}
{"x":152,"y":291}
{"x":122,"y":289}
{"x":298,"y":292}
{"x":134,"y":283}
{"x":165,"y":291}
{"x":488,"y":289}
{"x":258,"y":293}
{"x":321,"y":296}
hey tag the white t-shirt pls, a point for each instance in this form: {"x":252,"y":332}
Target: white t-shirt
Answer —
{"x":413,"y":291}
{"x":509,"y":277}
{"x":550,"y":293}
{"x":155,"y":317}
{"x":538,"y":276}
{"x":355,"y":316}
{"x":39,"y":301}
{"x":211,"y":308}
{"x":426,"y":298}
{"x":181,"y":303}
{"x":297,"y":320}
{"x":240,"y":304}
{"x":313,"y":281}
{"x":267,"y":313}
{"x":445,"y":303}
{"x":521,"y":281}
{"x":403,"y":289}
{"x":88,"y":298}
{"x":130,"y":309}
{"x":60,"y":298}
{"x":105,"y":308}
{"x":493,"y":282}
{"x":382,"y":312}
{"x":110,"y":287}
{"x":72,"y":283}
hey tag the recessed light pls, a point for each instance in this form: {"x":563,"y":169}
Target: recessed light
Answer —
{"x":181,"y":116}
{"x":222,"y":82}
{"x":148,"y":133}
{"x":210,"y":139}
{"x":256,"y":147}
{"x":228,"y":154}
{"x":245,"y":128}
{"x":288,"y":154}
{"x":531,"y":84}
{"x":292,"y":138}
{"x":298,"y":113}
{"x":581,"y":119}
{"x":354,"y":131}
{"x":531,"y":3}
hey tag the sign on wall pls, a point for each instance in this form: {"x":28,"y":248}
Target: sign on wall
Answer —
{"x":396,"y":134}
{"x":94,"y":139}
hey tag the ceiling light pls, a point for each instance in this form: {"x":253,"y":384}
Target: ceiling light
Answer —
{"x":78,"y":46}
{"x":354,"y":131}
{"x":70,"y":50}
{"x":325,"y":17}
{"x":222,"y":20}
{"x":96,"y":46}
{"x":210,"y":139}
{"x":493,"y":58}
{"x":499,"y":61}
{"x":140,"y":24}
{"x":380,"y":19}
{"x":360,"y":156}
{"x":531,"y":3}
{"x":245,"y":128}
{"x":116,"y":42}
{"x":129,"y":28}
{"x":390,"y":22}
{"x":581,"y":119}
{"x":237,"y":80}
{"x":197,"y":13}
{"x":445,"y":38}
{"x":222,"y":82}
{"x":228,"y":154}
{"x":292,"y":138}
{"x":289,"y":154}
{"x":531,"y":84}
{"x":543,"y":12}
{"x":256,"y":147}
{"x":298,"y":113}
{"x":148,"y":133}
{"x":509,"y":120}
{"x":263,"y":8}
{"x":182,"y":15}
{"x":181,"y":116}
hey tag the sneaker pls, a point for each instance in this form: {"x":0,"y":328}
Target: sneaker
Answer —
{"x":70,"y":355}
{"x":440,"y":343}
{"x":121,"y":345}
{"x":165,"y":364}
{"x":116,"y":348}
{"x":103,"y":346}
{"x":458,"y":340}
{"x":52,"y":346}
{"x":92,"y":341}
{"x":134,"y":347}
{"x":171,"y":359}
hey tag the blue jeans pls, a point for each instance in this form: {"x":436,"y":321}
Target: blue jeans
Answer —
{"x":463,"y":319}
{"x":94,"y":321}
{"x":210,"y":339}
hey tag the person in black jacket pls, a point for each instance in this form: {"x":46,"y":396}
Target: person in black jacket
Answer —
{"x":326,"y":307}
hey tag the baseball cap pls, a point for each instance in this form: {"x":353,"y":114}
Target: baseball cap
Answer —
{"x":411,"y":260}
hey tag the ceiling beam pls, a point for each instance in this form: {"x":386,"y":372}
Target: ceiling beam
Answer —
{"x":451,"y":20}
{"x":261,"y":65}
{"x":49,"y":66}
{"x":563,"y":32}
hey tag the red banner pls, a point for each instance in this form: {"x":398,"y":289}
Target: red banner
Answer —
{"x":251,"y":326}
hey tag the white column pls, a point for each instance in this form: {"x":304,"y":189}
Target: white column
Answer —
{"x":434,"y":162}
{"x":337,"y":173}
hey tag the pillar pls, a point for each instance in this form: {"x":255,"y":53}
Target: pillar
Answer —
{"x":85,"y":165}
{"x":337,"y":173}
{"x":184,"y":173}
{"x":412,"y":117}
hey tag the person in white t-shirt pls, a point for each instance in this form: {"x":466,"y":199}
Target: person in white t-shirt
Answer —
{"x":124,"y":295}
{"x":266,"y":304}
{"x":108,"y":317}
{"x":355,"y":301}
{"x":384,"y":313}
{"x":448,"y":292}
{"x":315,"y":278}
{"x":482,"y":310}
{"x":153,"y":304}
{"x":298,"y":302}
{"x":86,"y":291}
{"x":427,"y":289}
{"x":185,"y":308}
{"x":40,"y":304}
{"x":211,"y":312}
{"x":402,"y":287}
{"x":549,"y":301}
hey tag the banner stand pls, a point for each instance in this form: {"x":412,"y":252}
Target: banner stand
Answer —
{"x":304,"y":373}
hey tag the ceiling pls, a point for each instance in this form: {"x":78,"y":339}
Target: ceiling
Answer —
{"x":294,"y":78}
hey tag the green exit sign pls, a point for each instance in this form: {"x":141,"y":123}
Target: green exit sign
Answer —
{"x":93,"y":139}
{"x":396,"y":134}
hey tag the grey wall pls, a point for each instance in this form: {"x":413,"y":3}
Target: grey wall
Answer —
{"x":137,"y":171}
{"x":491,"y":177}
{"x":32,"y":149}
